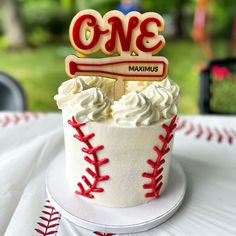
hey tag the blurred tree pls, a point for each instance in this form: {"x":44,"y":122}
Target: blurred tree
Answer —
{"x":12,"y":24}
{"x":68,"y":5}
{"x":46,"y":21}
{"x":176,"y":8}
{"x":100,"y":5}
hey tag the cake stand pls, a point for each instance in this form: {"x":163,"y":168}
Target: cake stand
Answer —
{"x":114,"y":220}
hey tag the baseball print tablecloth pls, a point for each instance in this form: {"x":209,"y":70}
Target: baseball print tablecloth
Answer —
{"x":205,"y":146}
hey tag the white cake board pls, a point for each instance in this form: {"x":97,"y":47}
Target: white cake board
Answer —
{"x":114,"y":220}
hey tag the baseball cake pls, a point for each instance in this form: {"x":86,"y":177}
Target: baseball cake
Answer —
{"x":119,"y":112}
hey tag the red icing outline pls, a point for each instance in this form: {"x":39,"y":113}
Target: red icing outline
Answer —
{"x":147,"y":34}
{"x":117,"y":28}
{"x":156,"y":175}
{"x":73,"y":68}
{"x":120,"y":32}
{"x":49,"y":220}
{"x":92,"y":23}
{"x":91,"y":150}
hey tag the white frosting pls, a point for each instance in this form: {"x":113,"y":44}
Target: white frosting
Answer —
{"x":127,"y":149}
{"x":171,"y":86}
{"x":162,"y":100}
{"x":99,"y":82}
{"x":134,"y":109}
{"x":67,"y":91}
{"x":157,"y":101}
{"x":90,"y":105}
{"x":139,"y":86}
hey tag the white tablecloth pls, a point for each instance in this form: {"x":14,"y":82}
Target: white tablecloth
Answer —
{"x":205,"y":146}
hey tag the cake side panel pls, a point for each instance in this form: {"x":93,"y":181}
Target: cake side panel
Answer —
{"x":127,"y":149}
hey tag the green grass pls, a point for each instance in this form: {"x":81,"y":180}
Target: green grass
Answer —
{"x":41,"y":71}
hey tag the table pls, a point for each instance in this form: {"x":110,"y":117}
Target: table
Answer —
{"x":204,"y":145}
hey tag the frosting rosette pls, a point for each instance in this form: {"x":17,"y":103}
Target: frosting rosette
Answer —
{"x":133,"y":109}
{"x":99,"y":82}
{"x":170,"y":86}
{"x":162,"y":100}
{"x":68,"y":90}
{"x":90,"y":105}
{"x":137,"y":86}
{"x":142,"y":85}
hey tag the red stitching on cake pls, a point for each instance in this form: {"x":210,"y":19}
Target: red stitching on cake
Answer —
{"x":190,"y":130}
{"x":228,"y":135}
{"x":49,"y":220}
{"x":219,"y":134}
{"x":156,"y":175}
{"x":200,"y":131}
{"x":103,"y":234}
{"x":181,"y":125}
{"x":91,"y":150}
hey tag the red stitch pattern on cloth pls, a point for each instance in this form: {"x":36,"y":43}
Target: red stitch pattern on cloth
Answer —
{"x":6,"y":121}
{"x":25,"y":116}
{"x":89,"y":149}
{"x":209,"y":134}
{"x":15,"y":118}
{"x":103,"y":234}
{"x":49,"y":220}
{"x":190,"y":130}
{"x":200,"y":131}
{"x":228,"y":135}
{"x":181,"y":125}
{"x":219,"y":135}
{"x":156,"y":175}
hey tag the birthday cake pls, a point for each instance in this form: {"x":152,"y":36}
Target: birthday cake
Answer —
{"x":117,"y":148}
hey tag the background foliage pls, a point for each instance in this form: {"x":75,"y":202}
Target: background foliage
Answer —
{"x":40,"y":67}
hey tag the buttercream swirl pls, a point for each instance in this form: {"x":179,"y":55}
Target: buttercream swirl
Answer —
{"x":90,"y":105}
{"x":162,"y":100}
{"x":67,"y":91}
{"x":137,"y":86}
{"x":171,"y":86}
{"x":133,"y":109}
{"x":142,"y":85}
{"x":99,"y":82}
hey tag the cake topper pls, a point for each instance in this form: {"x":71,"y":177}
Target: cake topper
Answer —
{"x":131,"y":41}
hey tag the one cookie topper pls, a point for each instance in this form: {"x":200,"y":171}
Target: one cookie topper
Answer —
{"x":130,"y":40}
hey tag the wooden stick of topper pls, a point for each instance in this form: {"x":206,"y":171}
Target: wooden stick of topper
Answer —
{"x":130,"y":40}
